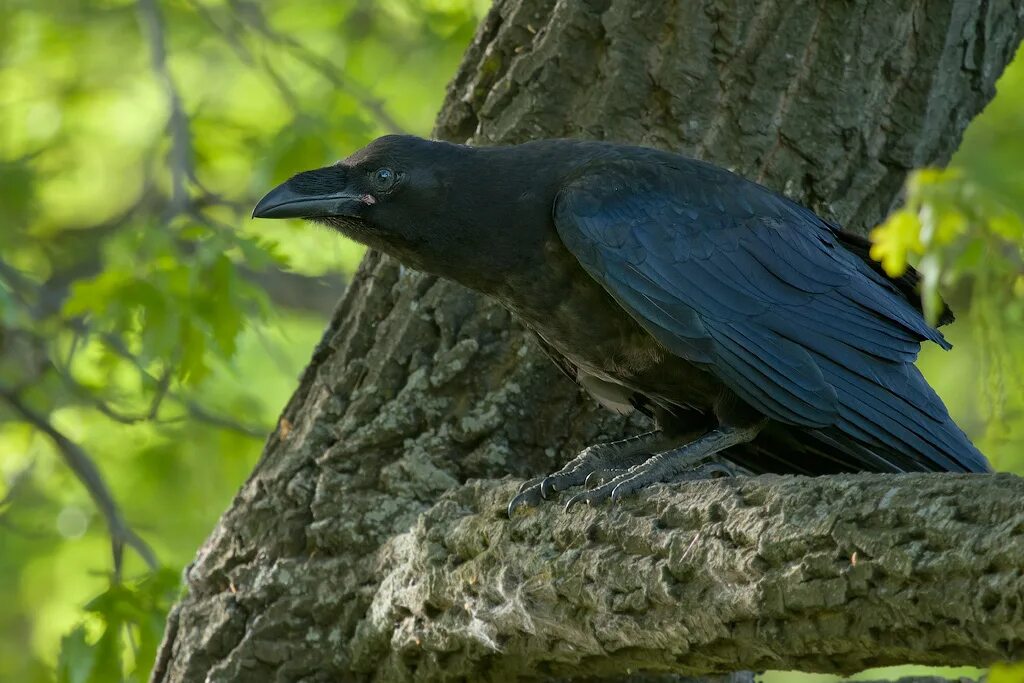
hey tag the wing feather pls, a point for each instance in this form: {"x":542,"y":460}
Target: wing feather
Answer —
{"x":762,"y":293}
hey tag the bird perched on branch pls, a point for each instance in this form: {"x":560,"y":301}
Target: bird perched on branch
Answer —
{"x":753,"y":332}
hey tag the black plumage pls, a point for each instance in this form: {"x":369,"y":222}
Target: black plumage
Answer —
{"x":666,"y":284}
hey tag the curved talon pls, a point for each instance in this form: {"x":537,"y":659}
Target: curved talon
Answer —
{"x":598,"y":477}
{"x":615,"y":495}
{"x":513,"y":504}
{"x":547,"y":487}
{"x":624,"y":488}
{"x":526,"y":498}
{"x":578,"y":498}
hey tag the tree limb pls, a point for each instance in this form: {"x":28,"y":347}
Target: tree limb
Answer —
{"x":178,"y":124}
{"x":831,"y":574}
{"x":121,"y":534}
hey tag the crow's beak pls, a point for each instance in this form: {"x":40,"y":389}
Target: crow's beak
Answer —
{"x":285,"y":202}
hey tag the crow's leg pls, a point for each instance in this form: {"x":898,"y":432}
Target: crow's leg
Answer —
{"x":686,"y":462}
{"x":612,"y":456}
{"x":723,"y":468}
{"x":706,"y":471}
{"x":615,"y":455}
{"x":598,"y":477}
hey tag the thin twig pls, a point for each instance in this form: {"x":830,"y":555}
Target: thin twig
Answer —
{"x":195,"y":411}
{"x":252,"y":14}
{"x":16,"y":483}
{"x":246,"y":57}
{"x":121,"y":534}
{"x":87,"y":394}
{"x":178,"y":124}
{"x":198,"y":412}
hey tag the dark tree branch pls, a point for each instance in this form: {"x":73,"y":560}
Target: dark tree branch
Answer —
{"x":31,"y":348}
{"x":121,"y":534}
{"x":200,"y":414}
{"x":178,"y":125}
{"x":833,"y":574}
{"x":89,"y":395}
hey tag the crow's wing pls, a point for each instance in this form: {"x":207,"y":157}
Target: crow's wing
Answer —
{"x":758,"y":290}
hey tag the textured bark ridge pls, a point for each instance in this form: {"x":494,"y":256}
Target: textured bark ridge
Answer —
{"x":839,"y":573}
{"x":369,"y":542}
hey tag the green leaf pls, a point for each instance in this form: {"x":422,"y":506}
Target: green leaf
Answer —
{"x":192,"y":365}
{"x":894,"y":240}
{"x":1006,"y":673}
{"x":77,"y":658}
{"x":109,"y":667}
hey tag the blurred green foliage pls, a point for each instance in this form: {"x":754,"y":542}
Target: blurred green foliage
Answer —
{"x":150,"y":333}
{"x":145,"y":322}
{"x":963,"y":227}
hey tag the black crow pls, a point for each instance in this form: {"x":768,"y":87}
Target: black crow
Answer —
{"x":756,"y":334}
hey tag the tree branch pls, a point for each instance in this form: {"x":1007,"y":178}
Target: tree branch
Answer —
{"x":831,"y":574}
{"x":194,"y":409}
{"x":121,"y":534}
{"x":178,"y":124}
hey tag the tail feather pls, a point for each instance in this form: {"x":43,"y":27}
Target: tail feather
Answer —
{"x":788,"y":450}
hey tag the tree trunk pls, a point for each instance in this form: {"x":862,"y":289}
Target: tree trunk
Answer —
{"x":371,"y":543}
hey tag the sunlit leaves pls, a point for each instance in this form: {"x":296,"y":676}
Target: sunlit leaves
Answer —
{"x":957,"y":229}
{"x":963,"y":228}
{"x":129,"y":619}
{"x":1006,"y":673}
{"x":895,"y":239}
{"x":77,"y":662}
{"x":173,"y":301}
{"x":112,"y":282}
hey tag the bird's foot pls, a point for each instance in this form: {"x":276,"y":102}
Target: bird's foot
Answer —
{"x":631,"y":470}
{"x":653,"y":471}
{"x":687,"y":462}
{"x":598,"y":477}
{"x":595,"y":461}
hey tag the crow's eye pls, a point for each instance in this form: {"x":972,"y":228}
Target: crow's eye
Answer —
{"x":384,"y":178}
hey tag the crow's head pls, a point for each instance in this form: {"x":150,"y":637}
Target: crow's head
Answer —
{"x":465,"y":213}
{"x":387,"y":195}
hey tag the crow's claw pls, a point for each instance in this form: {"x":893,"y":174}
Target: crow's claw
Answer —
{"x":598,"y":477}
{"x":548,"y":486}
{"x":654,"y":472}
{"x":578,"y":498}
{"x":528,"y":496}
{"x":614,"y":470}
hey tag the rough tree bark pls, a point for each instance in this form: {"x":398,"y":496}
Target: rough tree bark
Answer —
{"x":370,"y":541}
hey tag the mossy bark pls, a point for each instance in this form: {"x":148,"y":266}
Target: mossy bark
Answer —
{"x":369,"y":543}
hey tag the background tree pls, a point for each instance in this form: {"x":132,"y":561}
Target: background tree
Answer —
{"x":149,"y":308}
